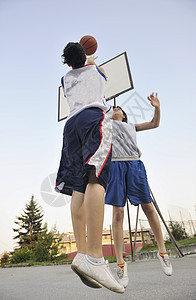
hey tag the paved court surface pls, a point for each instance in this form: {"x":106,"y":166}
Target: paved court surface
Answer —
{"x":147,"y":282}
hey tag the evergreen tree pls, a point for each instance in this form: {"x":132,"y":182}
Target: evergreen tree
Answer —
{"x":29,"y":225}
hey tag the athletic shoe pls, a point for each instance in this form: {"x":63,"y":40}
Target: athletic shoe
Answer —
{"x":101,"y":273}
{"x":122,"y":275}
{"x":165,"y":264}
{"x":85,"y":279}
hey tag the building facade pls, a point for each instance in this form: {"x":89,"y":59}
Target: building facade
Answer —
{"x":144,"y":236}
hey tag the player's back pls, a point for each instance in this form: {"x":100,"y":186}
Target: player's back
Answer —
{"x":84,"y":87}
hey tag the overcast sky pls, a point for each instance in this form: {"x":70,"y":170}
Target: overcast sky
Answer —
{"x":159,"y":38}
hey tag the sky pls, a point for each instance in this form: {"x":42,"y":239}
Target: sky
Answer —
{"x":159,"y":39}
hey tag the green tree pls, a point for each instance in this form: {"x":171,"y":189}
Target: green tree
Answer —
{"x":177,"y":230}
{"x":29,"y":225}
{"x":47,"y":245}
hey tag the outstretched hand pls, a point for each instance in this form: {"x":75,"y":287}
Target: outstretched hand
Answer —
{"x":154,"y":100}
{"x":91,"y":59}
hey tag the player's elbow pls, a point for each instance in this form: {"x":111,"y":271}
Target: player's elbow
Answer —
{"x":154,"y":124}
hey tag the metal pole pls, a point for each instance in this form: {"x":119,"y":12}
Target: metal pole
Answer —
{"x":114,"y":101}
{"x":135,"y":237}
{"x":192,"y":223}
{"x":143,"y":241}
{"x":111,"y":240}
{"x":189,"y":222}
{"x":178,"y":251}
{"x":130,"y":235}
{"x":182,"y":221}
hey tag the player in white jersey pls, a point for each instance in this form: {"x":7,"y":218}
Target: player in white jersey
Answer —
{"x":84,"y":165}
{"x":128,"y":179}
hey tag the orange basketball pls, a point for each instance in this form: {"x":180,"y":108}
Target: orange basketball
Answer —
{"x":89,"y":44}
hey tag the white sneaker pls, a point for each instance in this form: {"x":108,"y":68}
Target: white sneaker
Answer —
{"x":101,"y":273}
{"x":122,"y":275}
{"x":165,"y":264}
{"x":85,"y":279}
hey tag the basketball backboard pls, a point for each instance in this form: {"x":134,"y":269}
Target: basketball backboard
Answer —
{"x":119,"y":81}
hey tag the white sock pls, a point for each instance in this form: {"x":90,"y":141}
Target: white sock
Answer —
{"x":96,"y":260}
{"x":81,"y":254}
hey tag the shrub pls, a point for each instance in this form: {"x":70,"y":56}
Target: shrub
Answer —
{"x":178,"y":231}
{"x":21,"y":255}
{"x":5,"y":258}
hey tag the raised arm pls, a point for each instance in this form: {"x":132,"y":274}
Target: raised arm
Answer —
{"x":154,"y":123}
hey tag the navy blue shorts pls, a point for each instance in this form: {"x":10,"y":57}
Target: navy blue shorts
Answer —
{"x":87,"y":141}
{"x":127,"y":179}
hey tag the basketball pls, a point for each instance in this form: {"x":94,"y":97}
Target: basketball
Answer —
{"x":89,"y":44}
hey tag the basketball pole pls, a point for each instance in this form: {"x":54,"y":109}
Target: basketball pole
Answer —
{"x":115,"y":101}
{"x":130,"y":234}
{"x":111,"y":240}
{"x":135,"y":237}
{"x":176,"y":247}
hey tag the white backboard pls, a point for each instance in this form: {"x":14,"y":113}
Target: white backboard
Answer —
{"x":118,"y":76}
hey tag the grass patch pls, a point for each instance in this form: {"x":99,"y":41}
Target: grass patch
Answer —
{"x":147,"y":248}
{"x":40,"y":263}
{"x":4,"y":265}
{"x":111,"y":259}
{"x":37,"y":263}
{"x":187,"y":241}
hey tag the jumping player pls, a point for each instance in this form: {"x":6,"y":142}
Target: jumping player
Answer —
{"x":127,"y":179}
{"x":84,"y":165}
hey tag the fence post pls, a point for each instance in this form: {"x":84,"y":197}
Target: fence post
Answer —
{"x":192,"y":224}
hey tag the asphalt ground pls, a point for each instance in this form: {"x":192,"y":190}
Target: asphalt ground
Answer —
{"x":146,"y":281}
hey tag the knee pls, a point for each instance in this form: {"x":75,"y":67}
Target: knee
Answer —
{"x":118,"y":215}
{"x":148,"y":208}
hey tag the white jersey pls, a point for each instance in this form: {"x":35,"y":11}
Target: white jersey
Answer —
{"x":84,"y":87}
{"x":124,"y":143}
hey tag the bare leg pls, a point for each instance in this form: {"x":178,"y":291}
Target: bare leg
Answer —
{"x":155,"y":225}
{"x":78,"y":220}
{"x":117,"y":227}
{"x":94,"y":210}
